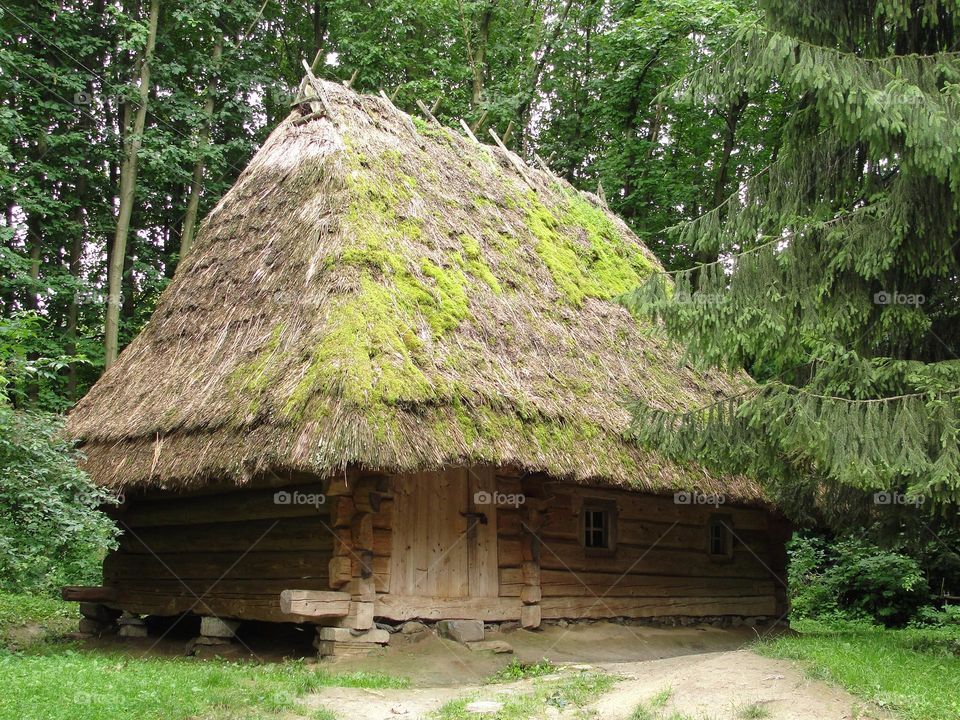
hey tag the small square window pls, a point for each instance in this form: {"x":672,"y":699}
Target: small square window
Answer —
{"x":598,"y":525}
{"x":596,"y":529}
{"x":720,"y":537}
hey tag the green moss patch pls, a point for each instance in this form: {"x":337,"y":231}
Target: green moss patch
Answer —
{"x":586,"y":255}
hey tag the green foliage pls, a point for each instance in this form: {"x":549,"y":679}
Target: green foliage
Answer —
{"x":517,"y":670}
{"x":830,"y":274}
{"x":907,"y":671}
{"x":51,"y":533}
{"x":854,"y":579}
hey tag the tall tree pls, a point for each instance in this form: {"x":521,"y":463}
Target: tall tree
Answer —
{"x":203,"y":140}
{"x":133,"y":138}
{"x":836,"y":278}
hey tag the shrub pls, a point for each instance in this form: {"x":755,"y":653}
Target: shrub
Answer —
{"x":51,"y":533}
{"x":854,"y":579}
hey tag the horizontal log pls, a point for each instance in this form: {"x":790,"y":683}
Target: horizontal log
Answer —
{"x":235,"y":566}
{"x":409,"y":607}
{"x":225,"y":588}
{"x":315,"y":603}
{"x":646,"y":533}
{"x":570,"y":556}
{"x":289,"y":501}
{"x":509,"y":552}
{"x":293,"y":534}
{"x":657,"y":508}
{"x":73,"y":593}
{"x":265,"y":608}
{"x":561,"y":583}
{"x":591,"y":607}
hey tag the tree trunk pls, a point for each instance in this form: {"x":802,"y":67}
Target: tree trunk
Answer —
{"x":196,"y":184}
{"x":732,"y":119}
{"x":73,"y":310}
{"x":128,"y":182}
{"x":478,"y":63}
{"x":321,"y":23}
{"x":533,"y":81}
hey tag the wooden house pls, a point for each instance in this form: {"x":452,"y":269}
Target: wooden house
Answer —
{"x":390,"y":381}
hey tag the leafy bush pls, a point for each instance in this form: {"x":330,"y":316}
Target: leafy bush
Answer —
{"x":854,"y":579}
{"x":51,"y":533}
{"x":931,"y":616}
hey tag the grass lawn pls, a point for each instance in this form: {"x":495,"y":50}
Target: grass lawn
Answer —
{"x":54,"y":679}
{"x":913,"y":672}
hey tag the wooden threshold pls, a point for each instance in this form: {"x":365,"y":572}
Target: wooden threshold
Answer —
{"x":408,"y":607}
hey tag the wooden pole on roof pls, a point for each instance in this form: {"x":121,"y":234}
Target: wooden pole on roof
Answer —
{"x":353,"y":77}
{"x":314,"y":66}
{"x":408,"y":122}
{"x":478,"y":123}
{"x":508,"y":132}
{"x":602,"y":195}
{"x":468,"y":131}
{"x":436,"y":105}
{"x":514,"y":160}
{"x":319,"y":91}
{"x":426,"y":111}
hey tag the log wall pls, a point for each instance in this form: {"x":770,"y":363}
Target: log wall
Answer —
{"x":660,"y":565}
{"x":228,"y":553}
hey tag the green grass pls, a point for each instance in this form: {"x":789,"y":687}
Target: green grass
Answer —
{"x":54,"y":616}
{"x":517,"y":670}
{"x":566,"y":693}
{"x":914,"y":672}
{"x":655,"y":709}
{"x":753,"y":711}
{"x":56,"y":679}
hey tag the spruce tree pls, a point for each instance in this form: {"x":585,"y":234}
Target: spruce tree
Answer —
{"x":835,"y":283}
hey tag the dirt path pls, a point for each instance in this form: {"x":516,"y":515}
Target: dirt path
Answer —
{"x":723,"y":685}
{"x":706,"y":686}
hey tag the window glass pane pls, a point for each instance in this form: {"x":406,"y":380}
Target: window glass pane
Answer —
{"x":596,"y":530}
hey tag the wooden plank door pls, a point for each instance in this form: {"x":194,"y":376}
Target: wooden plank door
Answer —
{"x":440,"y":546}
{"x":482,"y":535}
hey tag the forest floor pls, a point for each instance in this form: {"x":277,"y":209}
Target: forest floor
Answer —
{"x":595,"y":670}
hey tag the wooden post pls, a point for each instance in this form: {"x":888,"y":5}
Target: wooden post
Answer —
{"x":342,"y":512}
{"x":531,"y":592}
{"x":363,"y":595}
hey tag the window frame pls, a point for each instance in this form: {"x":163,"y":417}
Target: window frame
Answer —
{"x":725,"y":522}
{"x":609,"y":510}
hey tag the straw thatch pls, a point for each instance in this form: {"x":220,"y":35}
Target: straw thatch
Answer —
{"x":382,"y":292}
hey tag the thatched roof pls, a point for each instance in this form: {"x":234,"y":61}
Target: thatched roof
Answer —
{"x":382,"y":292}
